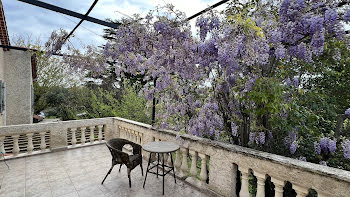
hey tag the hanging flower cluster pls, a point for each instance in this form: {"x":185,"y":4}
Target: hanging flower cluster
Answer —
{"x":346,"y":148}
{"x":325,"y":145}
{"x":291,"y":141}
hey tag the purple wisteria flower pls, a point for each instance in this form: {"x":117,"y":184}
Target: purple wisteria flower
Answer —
{"x":288,"y":82}
{"x":301,"y":52}
{"x":250,"y":83}
{"x":262,"y":137}
{"x":234,"y":129}
{"x":332,"y":145}
{"x":347,"y":16}
{"x":330,"y":16}
{"x":317,"y":148}
{"x":164,"y":125}
{"x":347,"y":112}
{"x":325,"y":145}
{"x":293,"y":147}
{"x":291,"y":141}
{"x":269,"y":134}
{"x":280,"y":52}
{"x":251,"y":137}
{"x":296,"y":81}
{"x":346,"y":148}
{"x":317,"y":43}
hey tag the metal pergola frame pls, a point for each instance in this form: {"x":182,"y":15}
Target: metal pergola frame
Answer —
{"x":71,"y":13}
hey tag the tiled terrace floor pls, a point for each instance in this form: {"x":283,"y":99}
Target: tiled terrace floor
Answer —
{"x":79,"y":172}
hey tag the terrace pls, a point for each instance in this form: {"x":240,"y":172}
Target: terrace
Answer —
{"x":63,"y":163}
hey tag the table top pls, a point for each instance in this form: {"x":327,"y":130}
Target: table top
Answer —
{"x":160,"y":147}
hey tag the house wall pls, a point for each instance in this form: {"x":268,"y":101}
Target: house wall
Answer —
{"x":2,"y":68}
{"x":18,"y":78}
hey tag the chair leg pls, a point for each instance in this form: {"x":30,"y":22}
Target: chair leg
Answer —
{"x":110,"y":170}
{"x":120,"y":167}
{"x":157,"y":165}
{"x":141,"y":169}
{"x":163,"y":172}
{"x":129,"y":178}
{"x":173,"y":167}
{"x":149,"y":162}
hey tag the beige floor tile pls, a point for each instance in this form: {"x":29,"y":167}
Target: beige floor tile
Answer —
{"x":79,"y":173}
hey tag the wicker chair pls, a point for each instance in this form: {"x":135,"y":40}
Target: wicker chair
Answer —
{"x":115,"y":146}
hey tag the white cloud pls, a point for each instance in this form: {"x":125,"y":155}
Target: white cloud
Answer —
{"x":24,"y":19}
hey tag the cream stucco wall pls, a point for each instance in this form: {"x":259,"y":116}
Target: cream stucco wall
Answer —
{"x":17,"y":73}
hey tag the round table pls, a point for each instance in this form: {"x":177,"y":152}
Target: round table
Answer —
{"x":161,"y":147}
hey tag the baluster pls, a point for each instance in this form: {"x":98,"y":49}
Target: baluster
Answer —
{"x":184,"y":165}
{"x":301,"y":191}
{"x":168,"y":161}
{"x":15,"y":149}
{"x":193,"y":170}
{"x":141,"y":138}
{"x":177,"y":161}
{"x":279,"y":185}
{"x":82,"y":139}
{"x":261,"y":184}
{"x":245,"y":184}
{"x":2,"y":146}
{"x":42,"y":139}
{"x":127,"y":134}
{"x":133,"y":136}
{"x":74,"y":139}
{"x":30,"y":146}
{"x":138,"y":138}
{"x":203,"y":175}
{"x":165,"y":155}
{"x":130,"y":135}
{"x":100,"y":132}
{"x":92,"y":135}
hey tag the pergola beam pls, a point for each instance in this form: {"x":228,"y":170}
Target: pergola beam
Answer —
{"x":70,"y":13}
{"x":207,"y":9}
{"x":81,"y":21}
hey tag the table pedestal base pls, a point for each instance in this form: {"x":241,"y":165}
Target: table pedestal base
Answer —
{"x":162,"y":165}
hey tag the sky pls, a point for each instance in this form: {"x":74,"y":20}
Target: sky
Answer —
{"x":26,"y":20}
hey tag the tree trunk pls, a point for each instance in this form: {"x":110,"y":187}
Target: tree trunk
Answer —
{"x":244,"y":130}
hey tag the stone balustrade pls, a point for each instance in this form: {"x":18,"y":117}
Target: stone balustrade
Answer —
{"x":14,"y":147}
{"x":27,"y":139}
{"x":219,"y":168}
{"x":216,"y":167}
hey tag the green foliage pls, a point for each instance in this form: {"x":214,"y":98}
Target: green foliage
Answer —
{"x":102,"y":103}
{"x":328,"y":92}
{"x":81,"y":102}
{"x":133,"y":106}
